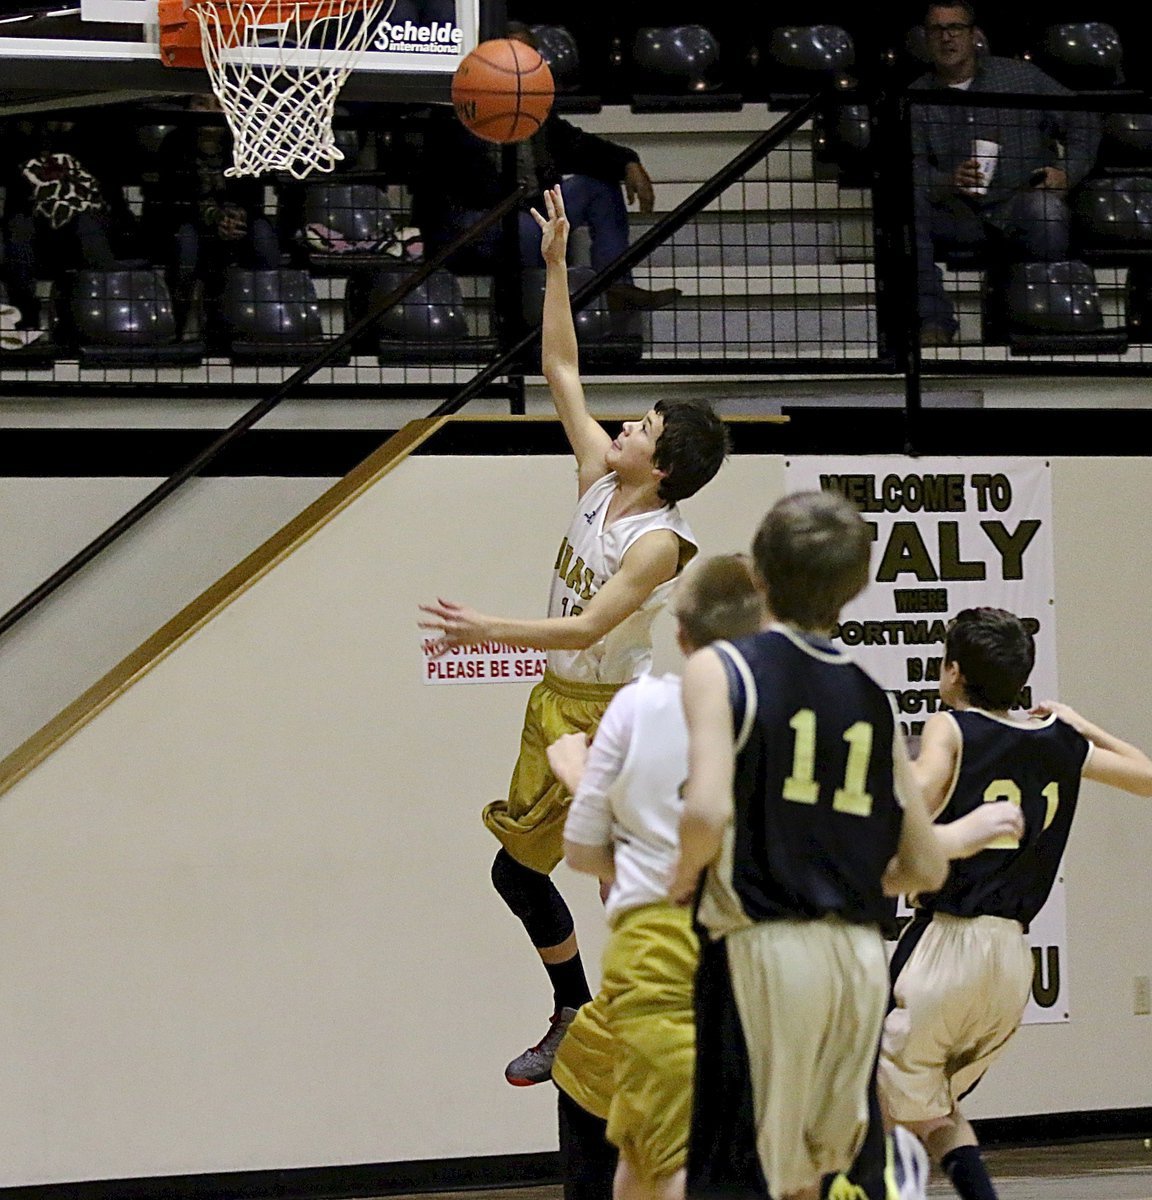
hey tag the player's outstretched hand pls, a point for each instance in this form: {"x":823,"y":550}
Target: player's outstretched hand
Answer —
{"x":1065,"y":712}
{"x":459,"y":625}
{"x":554,"y":229}
{"x":567,"y":757}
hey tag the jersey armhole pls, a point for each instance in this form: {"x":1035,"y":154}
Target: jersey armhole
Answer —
{"x":741,"y":691}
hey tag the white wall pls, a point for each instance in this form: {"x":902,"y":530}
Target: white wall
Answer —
{"x":247,"y":919}
{"x":57,"y":652}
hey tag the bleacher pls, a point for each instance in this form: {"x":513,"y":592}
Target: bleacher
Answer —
{"x":780,"y":271}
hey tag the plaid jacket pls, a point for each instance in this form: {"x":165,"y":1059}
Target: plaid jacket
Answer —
{"x":1028,"y":138}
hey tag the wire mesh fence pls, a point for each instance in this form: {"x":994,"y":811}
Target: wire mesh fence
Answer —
{"x":160,"y":281}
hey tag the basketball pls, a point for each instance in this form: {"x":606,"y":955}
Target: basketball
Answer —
{"x":503,"y":90}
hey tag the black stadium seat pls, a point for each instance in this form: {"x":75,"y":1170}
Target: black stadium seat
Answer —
{"x":121,"y":316}
{"x":270,"y":315}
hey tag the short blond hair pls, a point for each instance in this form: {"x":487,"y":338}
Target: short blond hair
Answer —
{"x":718,"y":597}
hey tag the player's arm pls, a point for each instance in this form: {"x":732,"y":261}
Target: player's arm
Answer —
{"x":921,"y":864}
{"x":977,"y":830}
{"x":711,"y":769}
{"x":653,"y":559}
{"x":589,"y":773}
{"x":934,"y":768}
{"x":934,"y":771}
{"x":1112,"y":761}
{"x":559,"y":352}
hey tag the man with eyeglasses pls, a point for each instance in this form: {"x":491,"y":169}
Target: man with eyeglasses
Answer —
{"x":1017,"y":205}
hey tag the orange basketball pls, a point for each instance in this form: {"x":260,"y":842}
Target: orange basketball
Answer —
{"x":503,"y":90}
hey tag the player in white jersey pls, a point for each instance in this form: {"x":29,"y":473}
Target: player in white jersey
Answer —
{"x":628,"y":1056}
{"x":627,"y":542}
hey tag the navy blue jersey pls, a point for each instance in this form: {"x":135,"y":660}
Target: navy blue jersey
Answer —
{"x":816,"y":817}
{"x":1035,"y":766}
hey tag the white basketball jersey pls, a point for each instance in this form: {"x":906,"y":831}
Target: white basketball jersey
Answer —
{"x":645,"y":799}
{"x":589,"y":556}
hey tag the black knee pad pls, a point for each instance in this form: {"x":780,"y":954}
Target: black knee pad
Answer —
{"x":534,"y":899}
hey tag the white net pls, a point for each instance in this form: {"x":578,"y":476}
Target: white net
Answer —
{"x":277,"y":68}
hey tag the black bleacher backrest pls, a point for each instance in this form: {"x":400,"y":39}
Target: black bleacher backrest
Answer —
{"x":1059,"y":297}
{"x":122,"y":308}
{"x":432,"y":311}
{"x":593,"y":322}
{"x":271,"y":305}
{"x":812,"y":49}
{"x":355,"y":216}
{"x":1114,"y":212}
{"x":676,"y":59}
{"x":1127,"y":141}
{"x":558,"y":49}
{"x":1084,"y":56}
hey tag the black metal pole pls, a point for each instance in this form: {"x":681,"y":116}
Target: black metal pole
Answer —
{"x":254,"y":414}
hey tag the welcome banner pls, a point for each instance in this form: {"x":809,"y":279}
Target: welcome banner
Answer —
{"x":950,"y":534}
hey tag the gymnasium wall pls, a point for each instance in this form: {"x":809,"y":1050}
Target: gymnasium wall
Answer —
{"x":247,"y":922}
{"x":52,"y":656}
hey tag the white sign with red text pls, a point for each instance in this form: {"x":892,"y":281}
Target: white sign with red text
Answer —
{"x":488,"y":662}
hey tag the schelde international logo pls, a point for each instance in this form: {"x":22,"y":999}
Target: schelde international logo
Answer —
{"x":441,"y":37}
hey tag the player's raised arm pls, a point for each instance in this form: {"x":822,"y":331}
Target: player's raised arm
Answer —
{"x":1112,"y":761}
{"x":559,"y":352}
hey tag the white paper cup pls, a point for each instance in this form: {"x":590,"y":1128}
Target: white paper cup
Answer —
{"x":985,"y":153}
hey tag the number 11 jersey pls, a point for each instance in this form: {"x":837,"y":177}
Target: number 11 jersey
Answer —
{"x":821,"y":777}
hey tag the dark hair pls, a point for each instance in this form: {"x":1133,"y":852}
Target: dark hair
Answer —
{"x":691,"y":448}
{"x":522,"y":33}
{"x":718,"y":598}
{"x":813,"y":551}
{"x":994,"y":652}
{"x":969,"y":11}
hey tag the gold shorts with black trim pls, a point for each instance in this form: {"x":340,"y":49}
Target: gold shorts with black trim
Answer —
{"x":629,"y":1055}
{"x":530,"y":822}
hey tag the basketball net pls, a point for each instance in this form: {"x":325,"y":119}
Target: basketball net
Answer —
{"x":276,"y":68}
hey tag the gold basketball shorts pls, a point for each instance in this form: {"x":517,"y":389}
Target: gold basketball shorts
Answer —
{"x":810,"y":996}
{"x":530,"y":822}
{"x":629,"y":1055}
{"x":958,"y":1000}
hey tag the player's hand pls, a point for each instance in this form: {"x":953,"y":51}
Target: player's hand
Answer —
{"x":233,"y":223}
{"x":968,"y":177}
{"x":554,"y":229}
{"x":638,"y":187}
{"x":1000,"y":818}
{"x":459,"y":625}
{"x":1065,"y":712}
{"x":567,"y":757}
{"x":685,"y":881}
{"x":1052,"y":179}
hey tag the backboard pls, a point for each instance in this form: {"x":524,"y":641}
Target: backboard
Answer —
{"x":108,"y":51}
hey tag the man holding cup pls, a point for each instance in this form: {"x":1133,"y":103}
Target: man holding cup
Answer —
{"x":983,"y":175}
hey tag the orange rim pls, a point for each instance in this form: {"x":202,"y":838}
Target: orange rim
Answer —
{"x":180,"y":21}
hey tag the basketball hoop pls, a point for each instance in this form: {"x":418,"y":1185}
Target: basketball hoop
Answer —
{"x":276,"y":68}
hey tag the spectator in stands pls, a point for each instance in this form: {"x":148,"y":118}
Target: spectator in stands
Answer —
{"x":459,"y":178}
{"x":64,"y":209}
{"x":1019,"y":209}
{"x":205,"y":220}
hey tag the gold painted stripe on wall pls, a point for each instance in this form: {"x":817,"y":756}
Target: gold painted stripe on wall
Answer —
{"x":217,"y":597}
